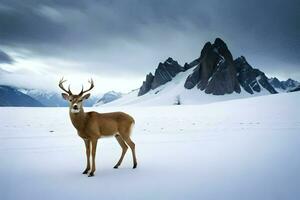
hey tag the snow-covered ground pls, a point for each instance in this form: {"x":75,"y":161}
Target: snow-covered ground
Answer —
{"x":238,"y":149}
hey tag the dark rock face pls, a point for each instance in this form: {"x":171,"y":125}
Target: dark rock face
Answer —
{"x":215,"y":73}
{"x":192,"y":79}
{"x":251,"y":79}
{"x":223,"y":81}
{"x":10,"y":96}
{"x":297,"y":89}
{"x":163,"y":74}
{"x":146,"y":84}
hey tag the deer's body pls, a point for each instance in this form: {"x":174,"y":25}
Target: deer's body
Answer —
{"x":91,"y":126}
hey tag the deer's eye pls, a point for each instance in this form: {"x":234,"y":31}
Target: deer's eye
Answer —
{"x":71,"y":100}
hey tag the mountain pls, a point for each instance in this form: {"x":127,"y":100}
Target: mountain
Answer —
{"x":218,"y":74}
{"x":10,"y":96}
{"x":251,"y":79}
{"x":108,"y":97}
{"x":284,"y":86}
{"x":163,"y":74}
{"x":214,"y":76}
{"x":297,"y":89}
{"x":215,"y":72}
{"x":53,"y":99}
{"x":49,"y":99}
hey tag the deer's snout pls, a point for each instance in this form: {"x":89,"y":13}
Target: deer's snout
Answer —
{"x":75,"y":107}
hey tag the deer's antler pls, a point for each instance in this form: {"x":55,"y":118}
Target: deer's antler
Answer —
{"x":91,"y":87}
{"x":62,"y":87}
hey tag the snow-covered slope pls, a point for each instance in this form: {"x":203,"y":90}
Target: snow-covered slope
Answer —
{"x":240,"y":149}
{"x":169,"y":93}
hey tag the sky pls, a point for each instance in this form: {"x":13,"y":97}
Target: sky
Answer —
{"x":118,"y":42}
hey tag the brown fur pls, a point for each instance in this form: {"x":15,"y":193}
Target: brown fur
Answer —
{"x":92,"y":125}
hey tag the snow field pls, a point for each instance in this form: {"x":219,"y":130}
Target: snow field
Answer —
{"x":238,"y":149}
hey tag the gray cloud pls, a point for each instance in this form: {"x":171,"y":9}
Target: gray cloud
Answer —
{"x":132,"y":36}
{"x":5,"y":58}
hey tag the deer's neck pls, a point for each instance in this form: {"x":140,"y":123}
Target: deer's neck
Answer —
{"x":78,"y":119}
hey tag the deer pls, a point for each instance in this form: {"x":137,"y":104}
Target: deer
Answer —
{"x":92,"y":126}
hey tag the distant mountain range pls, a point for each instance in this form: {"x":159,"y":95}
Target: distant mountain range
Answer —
{"x":214,"y":76}
{"x":284,"y":86}
{"x":10,"y":96}
{"x":13,"y":96}
{"x":52,"y":99}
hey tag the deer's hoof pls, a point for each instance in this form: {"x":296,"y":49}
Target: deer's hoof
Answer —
{"x":85,"y":171}
{"x":91,"y":174}
{"x":116,"y":166}
{"x":134,"y":166}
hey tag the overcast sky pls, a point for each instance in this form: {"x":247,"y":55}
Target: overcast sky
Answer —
{"x":118,"y":42}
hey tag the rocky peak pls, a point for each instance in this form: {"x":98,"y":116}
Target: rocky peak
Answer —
{"x":171,"y":61}
{"x":207,"y":47}
{"x":251,"y":79}
{"x":163,"y":74}
{"x":222,"y":49}
{"x":220,"y":43}
{"x":215,"y":73}
{"x":241,"y":61}
{"x":146,"y":86}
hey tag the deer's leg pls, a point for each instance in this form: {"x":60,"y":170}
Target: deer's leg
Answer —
{"x":94,"y":147}
{"x":132,"y":147}
{"x":87,"y":151}
{"x":124,"y":149}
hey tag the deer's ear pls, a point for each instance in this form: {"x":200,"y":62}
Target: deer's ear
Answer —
{"x":65,"y":96}
{"x":86,"y":96}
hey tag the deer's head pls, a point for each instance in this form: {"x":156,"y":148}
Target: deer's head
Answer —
{"x":75,"y":100}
